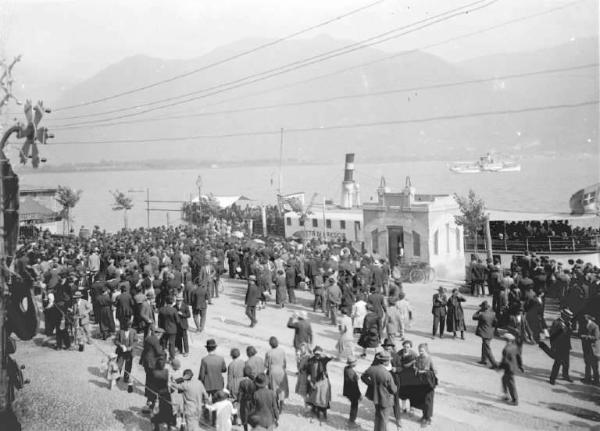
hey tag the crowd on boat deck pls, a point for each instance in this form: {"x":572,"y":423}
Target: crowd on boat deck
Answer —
{"x":147,"y":285}
{"x":520,"y":230}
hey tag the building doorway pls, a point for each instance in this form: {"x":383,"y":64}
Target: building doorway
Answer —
{"x":395,"y":243}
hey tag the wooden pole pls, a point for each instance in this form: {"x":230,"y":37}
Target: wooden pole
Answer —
{"x":148,"y":208}
{"x":488,"y":237}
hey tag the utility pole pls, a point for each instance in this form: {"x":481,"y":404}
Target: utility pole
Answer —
{"x":148,"y":207}
{"x":199,"y":185}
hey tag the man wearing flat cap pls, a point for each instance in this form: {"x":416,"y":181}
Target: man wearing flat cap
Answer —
{"x":510,"y":363}
{"x":560,"y":345}
{"x":381,"y":389}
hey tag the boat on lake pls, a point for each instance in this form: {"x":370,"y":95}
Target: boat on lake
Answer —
{"x":487,"y":163}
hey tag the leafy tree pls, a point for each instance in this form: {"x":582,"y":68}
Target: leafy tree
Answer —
{"x":67,"y":198}
{"x":473,"y":216}
{"x":199,"y":213}
{"x":122,"y":203}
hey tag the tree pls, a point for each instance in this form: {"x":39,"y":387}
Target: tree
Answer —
{"x":67,"y":198}
{"x":122,"y":203}
{"x":473,"y":216}
{"x":199,"y":213}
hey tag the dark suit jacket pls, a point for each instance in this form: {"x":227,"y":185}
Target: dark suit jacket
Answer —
{"x":511,"y":359}
{"x":168,"y":319}
{"x":183,"y":317}
{"x":152,"y":352}
{"x":127,"y":341}
{"x":302,"y":332}
{"x":560,"y":339}
{"x":265,"y":407}
{"x":439,"y":305}
{"x":378,"y":302}
{"x":211,"y":372}
{"x":252,"y":295}
{"x":381,"y":386}
{"x":200,"y":298}
{"x":125,"y":305}
{"x":376,"y":276}
{"x":351,"y":389}
{"x":486,"y":322}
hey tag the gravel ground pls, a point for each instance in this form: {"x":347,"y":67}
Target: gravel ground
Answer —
{"x":68,"y":392}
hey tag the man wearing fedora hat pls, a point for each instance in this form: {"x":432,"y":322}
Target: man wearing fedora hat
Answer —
{"x":212,"y":368}
{"x":266,"y":410}
{"x":81,"y":311}
{"x":591,"y":349}
{"x":560,"y":345}
{"x":486,"y":322}
{"x":351,"y":389}
{"x":440,"y":300}
{"x":381,"y":389}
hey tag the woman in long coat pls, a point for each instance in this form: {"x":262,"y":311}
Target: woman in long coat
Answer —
{"x":318,"y":382}
{"x":246,"y":391}
{"x":302,"y":380}
{"x":107,"y":323}
{"x":235,"y":373}
{"x":369,"y":337}
{"x":160,"y":377}
{"x":280,"y":288}
{"x":275,"y":366}
{"x":455,"y":317}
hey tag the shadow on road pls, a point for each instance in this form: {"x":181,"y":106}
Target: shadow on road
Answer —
{"x":132,"y":420}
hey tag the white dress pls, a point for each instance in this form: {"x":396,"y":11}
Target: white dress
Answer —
{"x":359,"y":311}
{"x":224,"y":410}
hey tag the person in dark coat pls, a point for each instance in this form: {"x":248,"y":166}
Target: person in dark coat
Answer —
{"x":439,"y":311}
{"x":107,"y":324}
{"x":456,"y":316}
{"x":381,"y":389}
{"x":486,"y":322}
{"x":302,"y":330}
{"x":560,"y":345}
{"x":183,"y":313}
{"x":370,"y":335}
{"x":290,"y":282}
{"x":151,"y":353}
{"x":125,"y":342}
{"x":125,"y":307}
{"x":160,"y":378}
{"x":377,"y":301}
{"x":351,"y":389}
{"x":212,"y":368}
{"x":319,"y":397}
{"x":590,"y":343}
{"x":200,"y":299}
{"x":246,"y":391}
{"x":168,"y":319}
{"x":478,"y":272}
{"x":510,"y":363}
{"x":252,"y":298}
{"x":266,"y":411}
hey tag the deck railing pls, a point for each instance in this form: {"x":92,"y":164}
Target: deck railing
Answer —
{"x":547,"y":245}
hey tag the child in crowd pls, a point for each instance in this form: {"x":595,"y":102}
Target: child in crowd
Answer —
{"x":112,"y":369}
{"x":223,"y":409}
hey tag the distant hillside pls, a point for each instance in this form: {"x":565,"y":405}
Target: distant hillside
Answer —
{"x":532,"y":133}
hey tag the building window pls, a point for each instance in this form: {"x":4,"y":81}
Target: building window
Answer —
{"x":315,"y":222}
{"x":436,"y":240}
{"x":416,"y":244}
{"x":301,"y":222}
{"x":448,"y":238}
{"x":458,"y":239}
{"x":328,"y":224}
{"x":342,"y":224}
{"x":288,"y":221}
{"x":357,"y":223}
{"x":375,"y":241}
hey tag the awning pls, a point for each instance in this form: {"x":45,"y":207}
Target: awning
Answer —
{"x":31,"y":211}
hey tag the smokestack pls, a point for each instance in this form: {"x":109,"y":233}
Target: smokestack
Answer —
{"x":348,"y":187}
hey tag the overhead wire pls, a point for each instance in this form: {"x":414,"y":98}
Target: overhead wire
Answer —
{"x":222,"y":61}
{"x":261,"y":76}
{"x":103,"y":123}
{"x":339,"y":126}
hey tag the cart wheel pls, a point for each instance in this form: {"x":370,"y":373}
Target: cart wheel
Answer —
{"x":416,"y":275}
{"x":430,"y":275}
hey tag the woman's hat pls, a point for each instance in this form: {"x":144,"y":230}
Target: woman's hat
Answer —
{"x":318,"y":350}
{"x":211,"y":344}
{"x":565,"y":312}
{"x":302,"y":314}
{"x":388,"y":343}
{"x":77,"y":295}
{"x":383,"y":357}
{"x":441,"y":289}
{"x":351,"y":360}
{"x":260,"y":381}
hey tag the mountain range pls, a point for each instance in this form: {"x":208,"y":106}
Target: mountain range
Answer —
{"x":403,"y":129}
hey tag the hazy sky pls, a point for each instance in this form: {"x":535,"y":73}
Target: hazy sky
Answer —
{"x":73,"y":39}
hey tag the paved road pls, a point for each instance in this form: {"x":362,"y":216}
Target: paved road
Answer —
{"x":68,"y":392}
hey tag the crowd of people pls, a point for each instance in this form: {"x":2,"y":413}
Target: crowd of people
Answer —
{"x":155,"y":281}
{"x":519,"y":230}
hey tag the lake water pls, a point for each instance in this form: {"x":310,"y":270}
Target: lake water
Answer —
{"x":542,"y":185}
